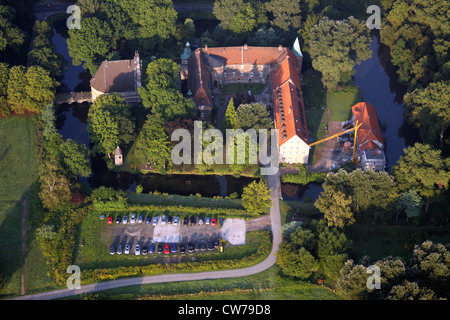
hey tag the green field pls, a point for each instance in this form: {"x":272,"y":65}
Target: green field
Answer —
{"x":18,"y":173}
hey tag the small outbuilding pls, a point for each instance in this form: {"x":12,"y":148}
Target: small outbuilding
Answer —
{"x":118,"y":157}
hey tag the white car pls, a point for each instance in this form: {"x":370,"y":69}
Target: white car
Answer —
{"x":176,"y":221}
{"x":207,"y":220}
{"x":155,"y":221}
{"x":127,"y":249}
{"x":133,"y":218}
{"x":125,"y":220}
{"x":163,"y":219}
{"x":137,"y":250}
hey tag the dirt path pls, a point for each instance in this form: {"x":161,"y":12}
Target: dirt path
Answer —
{"x":24,"y":241}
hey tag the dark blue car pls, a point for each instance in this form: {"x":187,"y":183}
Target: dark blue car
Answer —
{"x":174,"y":247}
{"x":151,"y":249}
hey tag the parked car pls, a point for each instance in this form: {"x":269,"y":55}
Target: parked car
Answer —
{"x":137,"y":250}
{"x":119,"y":249}
{"x":127,"y":249}
{"x":216,"y":243}
{"x":182,"y":248}
{"x":110,"y":220}
{"x":221,"y":247}
{"x":176,"y":221}
{"x":147,"y":220}
{"x":141,"y":218}
{"x":193,"y":220}
{"x":210,"y":245}
{"x":203,"y":245}
{"x":112,"y":250}
{"x":118,"y":219}
{"x":196,"y":247}
{"x":213,"y":222}
{"x":125,"y":220}
{"x":174,"y":247}
{"x":200,"y":220}
{"x":207,"y":220}
{"x":163,"y":219}
{"x":133,"y":218}
{"x":151,"y":249}
{"x":160,"y":248}
{"x":144,"y":250}
{"x":169,"y":220}
{"x":155,"y":221}
{"x":166,"y":248}
{"x":190,"y":247}
{"x":186,"y":221}
{"x":102,"y":216}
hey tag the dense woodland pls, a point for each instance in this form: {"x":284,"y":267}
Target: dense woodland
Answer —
{"x":334,"y":38}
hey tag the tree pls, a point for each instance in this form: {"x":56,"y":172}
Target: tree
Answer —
{"x":416,"y":33}
{"x":54,"y":184}
{"x":75,"y":158}
{"x":43,"y":51}
{"x":152,"y":145}
{"x":10,"y":35}
{"x":91,"y":43}
{"x":410,"y":202}
{"x":352,"y":281}
{"x":4,"y":76}
{"x":253,"y":115}
{"x":230,"y":116}
{"x":235,"y":15}
{"x":30,"y":90}
{"x":427,"y":109}
{"x":337,"y":46}
{"x":408,"y":290}
{"x":286,"y":13}
{"x":89,"y":7}
{"x":110,"y":123}
{"x":296,"y":262}
{"x":163,"y":73}
{"x":423,"y":168}
{"x":256,"y":197}
{"x":335,"y":207}
{"x":47,"y":116}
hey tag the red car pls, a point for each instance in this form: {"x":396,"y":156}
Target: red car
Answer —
{"x":166,"y":249}
{"x":213,"y":222}
{"x":110,"y":220}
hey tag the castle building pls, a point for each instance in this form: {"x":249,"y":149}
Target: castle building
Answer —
{"x":120,"y":76}
{"x":278,"y":67}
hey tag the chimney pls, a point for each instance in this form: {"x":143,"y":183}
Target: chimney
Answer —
{"x":280,"y":47}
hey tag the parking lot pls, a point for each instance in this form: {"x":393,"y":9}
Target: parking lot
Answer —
{"x":183,"y":232}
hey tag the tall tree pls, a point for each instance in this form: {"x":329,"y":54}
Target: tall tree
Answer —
{"x":427,"y":109}
{"x":235,"y":15}
{"x":110,"y":123}
{"x":424,"y":169}
{"x":335,"y":207}
{"x":337,"y":46}
{"x":152,"y":145}
{"x":75,"y":158}
{"x":256,"y":197}
{"x":253,"y":115}
{"x":4,"y":76}
{"x":162,"y":73}
{"x":91,"y":43}
{"x":10,"y":35}
{"x":230,"y":116}
{"x":286,"y":13}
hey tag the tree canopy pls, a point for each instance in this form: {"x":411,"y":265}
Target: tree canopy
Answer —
{"x":256,"y":197}
{"x":336,"y":46}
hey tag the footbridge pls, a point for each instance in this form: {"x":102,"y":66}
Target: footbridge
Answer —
{"x":73,"y":97}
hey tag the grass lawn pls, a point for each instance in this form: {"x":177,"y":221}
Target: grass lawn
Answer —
{"x":267,"y":285}
{"x":18,"y":172}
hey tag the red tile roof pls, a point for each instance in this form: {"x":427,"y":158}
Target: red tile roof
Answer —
{"x":369,"y":132}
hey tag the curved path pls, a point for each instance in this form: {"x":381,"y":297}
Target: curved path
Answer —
{"x":274,"y":185}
